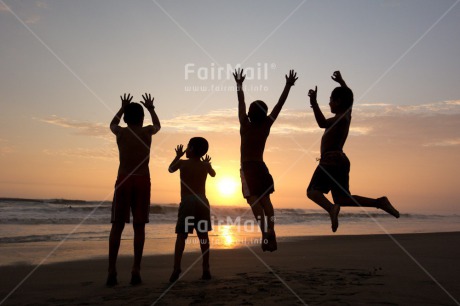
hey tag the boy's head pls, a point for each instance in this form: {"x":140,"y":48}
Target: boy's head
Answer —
{"x":257,"y":112}
{"x":134,"y":114}
{"x":197,"y":147}
{"x":341,"y":99}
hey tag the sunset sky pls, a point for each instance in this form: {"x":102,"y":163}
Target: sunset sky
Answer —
{"x":64,"y":64}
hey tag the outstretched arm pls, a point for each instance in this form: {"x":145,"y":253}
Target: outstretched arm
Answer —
{"x":115,"y":123}
{"x":207,"y":160}
{"x":320,"y":119}
{"x":239,"y":78}
{"x":175,"y":164}
{"x":290,"y":81}
{"x":337,"y":76}
{"x":148,"y":104}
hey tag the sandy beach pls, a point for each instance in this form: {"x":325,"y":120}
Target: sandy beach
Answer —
{"x":410,"y":269}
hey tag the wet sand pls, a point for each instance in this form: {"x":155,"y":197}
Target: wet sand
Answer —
{"x":410,"y":269}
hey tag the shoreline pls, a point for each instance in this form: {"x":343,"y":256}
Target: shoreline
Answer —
{"x":20,"y":253}
{"x":35,"y":252}
{"x":332,"y":270}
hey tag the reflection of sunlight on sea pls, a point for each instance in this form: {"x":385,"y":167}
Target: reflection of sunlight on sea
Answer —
{"x":233,"y":236}
{"x":228,"y":238}
{"x":35,"y":241}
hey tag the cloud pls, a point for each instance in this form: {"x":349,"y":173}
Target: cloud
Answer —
{"x":453,"y":102}
{"x":383,"y":109}
{"x":99,"y":153}
{"x":3,"y":8}
{"x":81,"y":128}
{"x":360,"y":130}
{"x":215,"y":121}
{"x":226,"y":121}
{"x":6,"y":147}
{"x":423,"y":124}
{"x":444,"y":143}
{"x":302,"y":121}
{"x":41,"y":4}
{"x":32,"y":19}
{"x":27,"y":12}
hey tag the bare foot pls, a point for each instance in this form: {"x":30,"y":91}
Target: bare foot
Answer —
{"x":112,"y":279}
{"x":334,"y":214}
{"x":175,"y":275}
{"x":206,"y":275}
{"x":385,"y":205}
{"x":272,"y":245}
{"x":135,"y":278}
{"x":264,"y":243}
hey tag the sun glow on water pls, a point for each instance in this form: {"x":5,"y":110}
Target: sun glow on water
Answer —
{"x":228,"y":239}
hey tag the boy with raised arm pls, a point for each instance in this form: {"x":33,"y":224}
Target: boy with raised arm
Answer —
{"x":194,"y":211}
{"x":256,"y":180}
{"x":332,"y":173}
{"x":132,"y":188}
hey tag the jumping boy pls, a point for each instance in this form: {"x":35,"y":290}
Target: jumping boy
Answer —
{"x":256,"y":180}
{"x":332,"y":173}
{"x":132,"y":188}
{"x":194,"y":211}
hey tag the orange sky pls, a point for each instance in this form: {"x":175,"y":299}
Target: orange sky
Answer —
{"x":406,"y":153}
{"x":64,"y":65}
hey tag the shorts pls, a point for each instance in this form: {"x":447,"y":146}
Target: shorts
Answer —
{"x":255,"y":179}
{"x":131,"y":192}
{"x":332,"y":174}
{"x":194,"y":213}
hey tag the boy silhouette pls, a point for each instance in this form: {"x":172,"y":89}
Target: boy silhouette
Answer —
{"x":256,"y":180}
{"x":332,"y":173}
{"x":194,"y":211}
{"x":132,"y":188}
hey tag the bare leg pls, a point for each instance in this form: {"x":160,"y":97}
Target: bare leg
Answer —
{"x":178,"y":251}
{"x":259,"y":214}
{"x":355,"y":201}
{"x":333,"y":210}
{"x":204,"y":245}
{"x":114,"y":246}
{"x":269,"y":212}
{"x":270,"y":215}
{"x":382,"y":203}
{"x":139,"y":239}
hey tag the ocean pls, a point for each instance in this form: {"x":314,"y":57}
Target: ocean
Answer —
{"x":32,"y":231}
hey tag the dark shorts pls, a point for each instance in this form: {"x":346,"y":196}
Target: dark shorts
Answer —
{"x":332,"y":174}
{"x":131,"y":192}
{"x":255,"y":179}
{"x":194,"y":213}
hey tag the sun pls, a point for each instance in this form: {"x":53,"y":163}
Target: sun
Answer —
{"x":227,"y":186}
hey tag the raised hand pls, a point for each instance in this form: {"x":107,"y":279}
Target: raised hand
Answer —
{"x":206,"y":159}
{"x":291,"y":78}
{"x":148,"y":101}
{"x":238,"y":75}
{"x":337,"y":76}
{"x":313,"y":94}
{"x":180,"y":151}
{"x":125,"y":99}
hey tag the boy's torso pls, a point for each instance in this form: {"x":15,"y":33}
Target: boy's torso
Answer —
{"x":253,"y":139}
{"x":134,"y":151}
{"x":193,"y":174}
{"x":336,"y":134}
